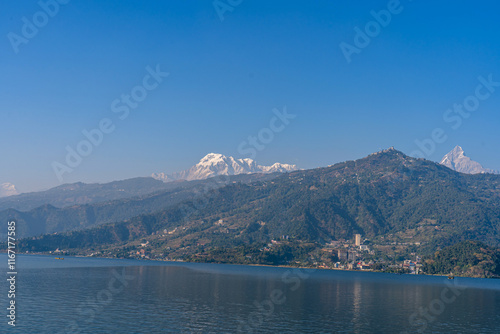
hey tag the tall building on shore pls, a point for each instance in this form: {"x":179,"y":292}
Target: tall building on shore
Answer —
{"x":358,"y":239}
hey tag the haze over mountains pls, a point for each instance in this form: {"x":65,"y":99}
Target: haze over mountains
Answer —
{"x":458,"y":161}
{"x":214,"y":164}
{"x":82,"y":193}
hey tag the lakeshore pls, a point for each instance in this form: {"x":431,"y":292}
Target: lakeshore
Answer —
{"x":179,"y":261}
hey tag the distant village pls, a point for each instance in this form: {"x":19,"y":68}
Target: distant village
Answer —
{"x":350,"y":257}
{"x":354,"y":254}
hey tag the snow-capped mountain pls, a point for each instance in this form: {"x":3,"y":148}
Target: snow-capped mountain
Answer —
{"x":458,"y":161}
{"x":7,"y":189}
{"x":214,"y":164}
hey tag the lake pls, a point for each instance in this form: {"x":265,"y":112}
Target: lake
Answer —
{"x":89,"y":295}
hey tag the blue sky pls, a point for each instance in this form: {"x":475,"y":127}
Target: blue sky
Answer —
{"x":226,"y":77}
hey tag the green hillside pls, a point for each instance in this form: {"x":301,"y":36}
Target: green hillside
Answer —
{"x":467,"y":258}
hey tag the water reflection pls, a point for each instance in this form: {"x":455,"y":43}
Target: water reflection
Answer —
{"x":192,"y":298}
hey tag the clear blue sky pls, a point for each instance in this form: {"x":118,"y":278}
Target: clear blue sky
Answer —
{"x":225,"y":78}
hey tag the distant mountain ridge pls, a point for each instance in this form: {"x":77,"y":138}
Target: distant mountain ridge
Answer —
{"x":458,"y":161}
{"x":83,"y":193}
{"x":214,"y":164}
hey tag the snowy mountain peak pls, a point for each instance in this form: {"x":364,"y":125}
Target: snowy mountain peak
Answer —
{"x":458,"y":161}
{"x":212,"y":157}
{"x":458,"y":151}
{"x":7,"y":189}
{"x":278,"y":167}
{"x":214,"y":164}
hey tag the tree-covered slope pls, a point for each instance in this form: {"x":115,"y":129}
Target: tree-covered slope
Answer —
{"x":466,"y":258}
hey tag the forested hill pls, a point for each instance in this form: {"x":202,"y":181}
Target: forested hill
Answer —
{"x":467,"y":258}
{"x":386,"y":196}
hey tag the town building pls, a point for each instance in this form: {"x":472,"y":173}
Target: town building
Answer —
{"x":342,"y":255}
{"x":357,"y":240}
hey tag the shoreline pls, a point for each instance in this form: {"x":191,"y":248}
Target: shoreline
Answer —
{"x":249,"y":265}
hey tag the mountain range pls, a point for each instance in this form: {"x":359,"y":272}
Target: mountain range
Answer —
{"x":214,"y":164}
{"x":393,"y":200}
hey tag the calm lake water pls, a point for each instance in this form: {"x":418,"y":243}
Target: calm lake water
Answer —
{"x":82,"y":295}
